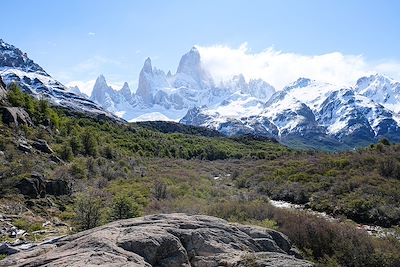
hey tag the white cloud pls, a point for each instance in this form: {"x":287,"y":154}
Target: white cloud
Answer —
{"x":84,"y":87}
{"x":91,"y":33}
{"x":281,"y":68}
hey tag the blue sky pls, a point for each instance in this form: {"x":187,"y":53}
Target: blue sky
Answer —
{"x":77,"y":40}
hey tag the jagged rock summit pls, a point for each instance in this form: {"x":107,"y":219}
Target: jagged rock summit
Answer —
{"x":169,"y":96}
{"x":168,"y":240}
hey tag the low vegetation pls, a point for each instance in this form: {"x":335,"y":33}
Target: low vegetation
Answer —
{"x":122,"y":171}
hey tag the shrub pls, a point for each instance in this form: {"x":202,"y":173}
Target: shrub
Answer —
{"x":87,"y":209}
{"x":160,"y":190}
{"x":389,"y":168}
{"x":384,"y":141}
{"x":89,"y":143}
{"x":75,"y":144}
{"x":27,"y":225}
{"x":66,"y":152}
{"x":123,"y":208}
{"x":15,"y":95}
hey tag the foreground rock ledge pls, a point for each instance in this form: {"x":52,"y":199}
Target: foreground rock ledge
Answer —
{"x":166,"y":240}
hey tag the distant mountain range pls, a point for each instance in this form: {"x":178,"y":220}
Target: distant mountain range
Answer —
{"x":306,"y":113}
{"x":313,"y":114}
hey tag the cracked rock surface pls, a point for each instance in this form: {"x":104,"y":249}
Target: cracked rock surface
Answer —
{"x":166,"y":240}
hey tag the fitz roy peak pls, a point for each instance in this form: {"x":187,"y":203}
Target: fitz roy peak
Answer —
{"x":169,"y":96}
{"x":17,"y":67}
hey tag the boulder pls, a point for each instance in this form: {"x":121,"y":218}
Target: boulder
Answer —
{"x":55,"y":159}
{"x":37,"y":186}
{"x":42,"y":146}
{"x":58,"y":187}
{"x":175,"y":240}
{"x":33,"y":187}
{"x":6,"y":249}
{"x":15,"y":116}
{"x":24,"y":147}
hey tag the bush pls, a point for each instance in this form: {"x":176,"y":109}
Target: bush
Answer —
{"x":160,"y":190}
{"x":27,"y":225}
{"x":87,"y":209}
{"x":15,"y":95}
{"x":66,"y":152}
{"x":389,"y":168}
{"x":75,"y":144}
{"x":89,"y":143}
{"x":123,"y":207}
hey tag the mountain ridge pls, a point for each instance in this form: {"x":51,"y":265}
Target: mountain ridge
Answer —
{"x":17,"y":67}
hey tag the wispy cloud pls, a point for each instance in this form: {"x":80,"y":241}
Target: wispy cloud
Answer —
{"x":91,"y":33}
{"x":84,"y":86}
{"x":281,"y":68}
{"x":94,"y":64}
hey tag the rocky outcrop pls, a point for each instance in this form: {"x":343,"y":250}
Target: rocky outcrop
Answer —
{"x":15,"y":116}
{"x":42,"y":146}
{"x":24,"y":146}
{"x":58,"y":187}
{"x":3,"y":92}
{"x":32,"y":187}
{"x":165,"y":240}
{"x":37,"y":186}
{"x":6,"y":249}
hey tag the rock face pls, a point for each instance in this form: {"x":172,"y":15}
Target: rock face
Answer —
{"x":15,"y":116}
{"x":3,"y":92}
{"x":42,"y":146}
{"x":37,"y":186}
{"x":165,"y":240}
{"x":58,"y":187}
{"x":32,"y":187}
{"x":161,"y":96}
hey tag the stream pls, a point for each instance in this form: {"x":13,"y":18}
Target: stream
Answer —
{"x":374,"y":230}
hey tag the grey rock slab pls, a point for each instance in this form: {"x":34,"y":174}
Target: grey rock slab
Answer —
{"x":165,"y":240}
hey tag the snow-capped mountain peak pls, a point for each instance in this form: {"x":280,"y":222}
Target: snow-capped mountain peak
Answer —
{"x":147,"y":67}
{"x":13,"y":58}
{"x":17,"y":67}
{"x":190,"y":66}
{"x":102,"y":93}
{"x":381,"y":89}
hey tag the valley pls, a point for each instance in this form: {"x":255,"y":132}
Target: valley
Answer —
{"x":161,"y":168}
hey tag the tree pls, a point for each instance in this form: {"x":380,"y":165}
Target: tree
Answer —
{"x":123,"y":208}
{"x":89,"y":143}
{"x":385,"y":142}
{"x":75,"y":144}
{"x":87,"y":211}
{"x":15,"y":95}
